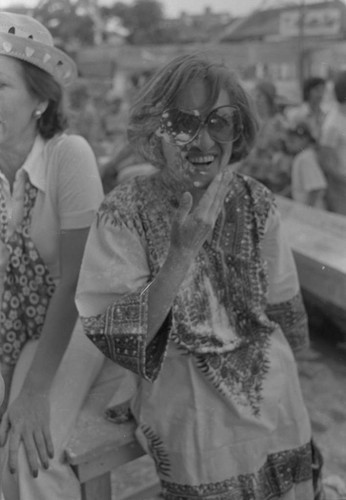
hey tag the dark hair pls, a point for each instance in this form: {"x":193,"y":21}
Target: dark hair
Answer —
{"x":42,"y":85}
{"x":162,"y":90}
{"x":311,"y":83}
{"x":340,"y":87}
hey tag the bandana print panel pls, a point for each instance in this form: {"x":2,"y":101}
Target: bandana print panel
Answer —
{"x":280,"y":472}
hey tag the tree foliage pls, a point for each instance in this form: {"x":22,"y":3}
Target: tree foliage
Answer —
{"x":73,"y":21}
{"x":65,"y":22}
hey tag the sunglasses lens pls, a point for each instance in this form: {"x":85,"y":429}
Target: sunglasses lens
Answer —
{"x":179,"y":127}
{"x":224,"y":124}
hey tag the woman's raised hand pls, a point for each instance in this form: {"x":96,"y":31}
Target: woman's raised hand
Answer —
{"x":192,"y":225}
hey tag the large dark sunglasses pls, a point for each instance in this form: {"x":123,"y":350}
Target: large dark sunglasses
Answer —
{"x":223,"y":125}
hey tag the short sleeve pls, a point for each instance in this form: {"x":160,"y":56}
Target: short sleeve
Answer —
{"x":79,"y":191}
{"x":307,"y":175}
{"x":112,"y":298}
{"x":285,"y":304}
{"x":114,"y":265}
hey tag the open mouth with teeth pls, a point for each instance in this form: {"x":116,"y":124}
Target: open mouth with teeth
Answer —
{"x":201,"y":160}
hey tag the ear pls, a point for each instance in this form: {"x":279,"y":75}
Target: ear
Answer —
{"x":42,"y":106}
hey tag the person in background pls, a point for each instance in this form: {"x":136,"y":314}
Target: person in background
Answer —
{"x":309,"y":184}
{"x":333,"y":142}
{"x":50,"y":189}
{"x":114,"y":119}
{"x":83,"y":118}
{"x":311,"y":111}
{"x":125,"y":164}
{"x":265,"y":161}
{"x":188,"y":282}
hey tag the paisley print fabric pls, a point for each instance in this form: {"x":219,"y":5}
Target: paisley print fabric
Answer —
{"x":28,"y":286}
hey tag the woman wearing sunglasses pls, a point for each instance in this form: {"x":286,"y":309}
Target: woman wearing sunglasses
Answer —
{"x":188,"y":282}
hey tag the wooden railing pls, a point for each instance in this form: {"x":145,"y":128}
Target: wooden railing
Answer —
{"x":318,"y":241}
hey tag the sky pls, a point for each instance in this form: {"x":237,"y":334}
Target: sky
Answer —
{"x":172,"y":8}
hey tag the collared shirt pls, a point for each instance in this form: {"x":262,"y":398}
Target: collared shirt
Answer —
{"x":64,"y":171}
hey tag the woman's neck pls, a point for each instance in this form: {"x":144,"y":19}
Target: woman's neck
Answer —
{"x":13,"y":158}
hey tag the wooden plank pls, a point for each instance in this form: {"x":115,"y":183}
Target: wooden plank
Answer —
{"x":315,"y":233}
{"x":322,"y":281}
{"x":108,"y":459}
{"x":148,"y":492}
{"x":98,"y":446}
{"x":98,"y":489}
{"x":318,"y":241}
{"x":93,"y":434}
{"x":335,"y":224}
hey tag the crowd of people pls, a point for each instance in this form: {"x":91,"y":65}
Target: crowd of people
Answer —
{"x":299,"y":152}
{"x":296,"y":154}
{"x":177,"y":269}
{"x":99,"y":113}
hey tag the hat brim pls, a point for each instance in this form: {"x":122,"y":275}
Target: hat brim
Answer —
{"x":48,"y":58}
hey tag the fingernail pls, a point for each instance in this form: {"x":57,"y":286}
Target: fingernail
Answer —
{"x":35,"y":473}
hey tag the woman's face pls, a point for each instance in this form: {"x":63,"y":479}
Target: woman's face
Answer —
{"x":316,"y":95}
{"x":17,"y":105}
{"x":196,"y":164}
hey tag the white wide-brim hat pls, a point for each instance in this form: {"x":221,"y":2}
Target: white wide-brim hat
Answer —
{"x":24,"y":38}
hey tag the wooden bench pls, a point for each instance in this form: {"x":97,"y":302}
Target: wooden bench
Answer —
{"x":97,"y":447}
{"x":318,"y":241}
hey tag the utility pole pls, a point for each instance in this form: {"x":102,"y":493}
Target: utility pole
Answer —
{"x":301,"y":53}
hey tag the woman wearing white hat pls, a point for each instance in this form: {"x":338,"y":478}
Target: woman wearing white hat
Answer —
{"x":49,"y":191}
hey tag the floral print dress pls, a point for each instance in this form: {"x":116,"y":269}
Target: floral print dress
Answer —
{"x":218,"y":403}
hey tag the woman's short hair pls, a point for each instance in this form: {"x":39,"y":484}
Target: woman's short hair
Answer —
{"x":162,"y":90}
{"x":43,"y":86}
{"x":309,"y":84}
